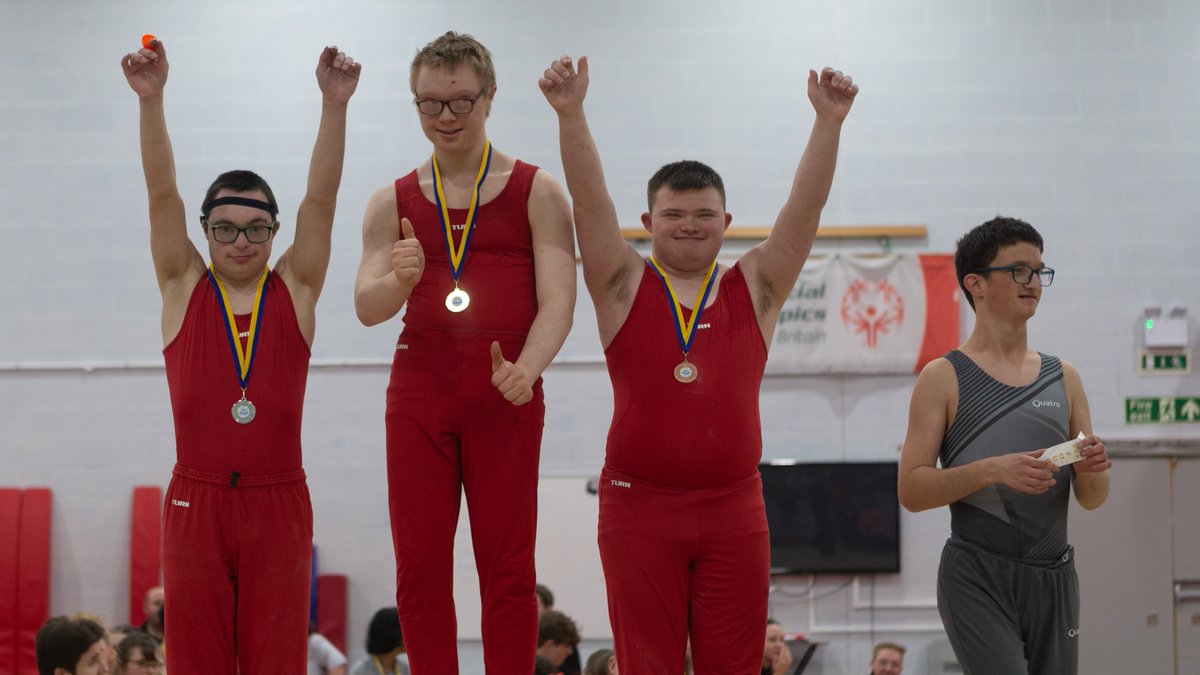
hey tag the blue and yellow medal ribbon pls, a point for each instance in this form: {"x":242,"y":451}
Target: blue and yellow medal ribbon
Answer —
{"x":685,"y":329}
{"x":244,"y":357}
{"x":458,"y":253}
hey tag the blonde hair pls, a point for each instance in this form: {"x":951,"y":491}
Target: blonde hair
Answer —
{"x":887,"y":645}
{"x":451,"y":50}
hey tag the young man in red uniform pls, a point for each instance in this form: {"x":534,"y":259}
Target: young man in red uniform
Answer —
{"x":683,"y":532}
{"x":237,"y":534}
{"x":476,"y":246}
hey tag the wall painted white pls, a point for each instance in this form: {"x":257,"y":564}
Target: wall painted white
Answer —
{"x":1079,"y":116}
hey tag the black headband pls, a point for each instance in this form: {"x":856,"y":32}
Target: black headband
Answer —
{"x":239,"y":201}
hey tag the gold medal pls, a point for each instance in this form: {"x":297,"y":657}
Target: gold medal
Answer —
{"x":686,"y":372}
{"x":685,"y":329}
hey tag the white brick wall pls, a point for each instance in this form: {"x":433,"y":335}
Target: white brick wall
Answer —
{"x":1079,"y":115}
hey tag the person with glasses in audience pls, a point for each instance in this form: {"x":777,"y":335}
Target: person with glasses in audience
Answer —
{"x":980,"y":420}
{"x":139,"y":653}
{"x":477,"y":247}
{"x":237,"y":526}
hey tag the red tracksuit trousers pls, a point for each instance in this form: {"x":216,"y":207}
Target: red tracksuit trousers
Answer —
{"x":679,"y":562}
{"x":449,"y":433}
{"x":237,"y":562}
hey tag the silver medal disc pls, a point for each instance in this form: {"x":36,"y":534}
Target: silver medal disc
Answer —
{"x":457,"y":300}
{"x":243,"y":412}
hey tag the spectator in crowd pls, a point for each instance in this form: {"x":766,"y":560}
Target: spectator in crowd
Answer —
{"x":601,"y":662}
{"x":152,"y":605}
{"x":545,"y":601}
{"x":777,"y":658}
{"x":385,"y":644}
{"x":887,"y":659}
{"x":323,"y":657}
{"x":139,"y":653}
{"x":557,"y":636}
{"x":66,"y":646}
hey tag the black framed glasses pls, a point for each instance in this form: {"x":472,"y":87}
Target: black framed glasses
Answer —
{"x":151,"y":665}
{"x":227,"y":234}
{"x":458,"y":106}
{"x":1023,"y":274}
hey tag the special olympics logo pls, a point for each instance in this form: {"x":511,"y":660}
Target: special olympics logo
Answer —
{"x":872,"y":307}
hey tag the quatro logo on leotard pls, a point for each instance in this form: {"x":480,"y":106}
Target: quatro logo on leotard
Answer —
{"x":620,"y":483}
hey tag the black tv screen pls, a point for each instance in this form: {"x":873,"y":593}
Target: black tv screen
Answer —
{"x":832,"y":518}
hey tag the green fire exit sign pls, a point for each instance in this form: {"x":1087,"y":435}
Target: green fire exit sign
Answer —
{"x":1164,"y":410}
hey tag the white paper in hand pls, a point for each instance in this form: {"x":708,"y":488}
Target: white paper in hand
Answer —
{"x":1064,"y":453}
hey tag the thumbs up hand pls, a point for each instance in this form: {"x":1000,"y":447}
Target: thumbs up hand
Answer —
{"x":510,"y":379}
{"x":408,"y":258}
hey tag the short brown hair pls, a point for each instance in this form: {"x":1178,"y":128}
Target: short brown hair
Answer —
{"x":556,"y":627}
{"x":684,"y":176}
{"x":887,"y":645}
{"x":545,"y":595}
{"x":449,"y":52}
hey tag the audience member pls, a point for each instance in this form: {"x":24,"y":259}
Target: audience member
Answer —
{"x":118,"y":633}
{"x":152,"y":605}
{"x":139,"y":653}
{"x":887,"y":659}
{"x":323,"y":657}
{"x":544,"y":596}
{"x":601,"y":662}
{"x":110,"y":649}
{"x":777,"y":658}
{"x":545,"y":601}
{"x":557,"y":636}
{"x":385,"y":644}
{"x":114,"y":637}
{"x":66,"y":646}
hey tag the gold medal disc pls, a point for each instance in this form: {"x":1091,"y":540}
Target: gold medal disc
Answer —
{"x":686,"y":372}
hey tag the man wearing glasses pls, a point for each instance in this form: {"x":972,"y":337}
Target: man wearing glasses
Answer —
{"x":237,"y":531}
{"x":1007,"y":589}
{"x":476,"y":246}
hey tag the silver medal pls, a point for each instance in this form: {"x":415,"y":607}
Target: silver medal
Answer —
{"x":457,"y":300}
{"x":243,"y":411}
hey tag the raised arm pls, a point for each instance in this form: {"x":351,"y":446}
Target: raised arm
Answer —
{"x":304,"y":264}
{"x":177,"y":263}
{"x":773,"y":266}
{"x":1091,"y":472}
{"x":554,"y":269}
{"x":921,"y":484}
{"x":610,"y":264}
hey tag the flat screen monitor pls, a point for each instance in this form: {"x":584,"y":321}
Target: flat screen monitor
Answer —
{"x":832,"y":518}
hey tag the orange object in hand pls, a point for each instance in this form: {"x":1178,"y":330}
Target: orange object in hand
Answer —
{"x":147,"y":39}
